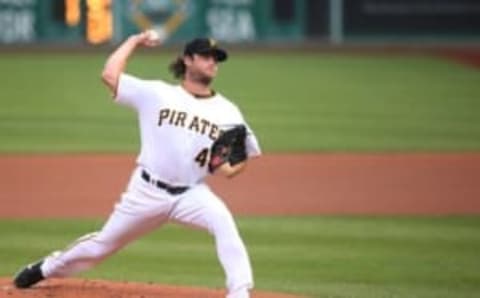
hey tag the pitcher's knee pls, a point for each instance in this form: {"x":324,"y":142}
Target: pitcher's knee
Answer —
{"x":222,"y":223}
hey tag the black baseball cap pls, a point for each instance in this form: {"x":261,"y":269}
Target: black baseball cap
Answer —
{"x":205,"y":46}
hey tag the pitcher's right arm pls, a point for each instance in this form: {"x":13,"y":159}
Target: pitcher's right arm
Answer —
{"x":117,"y":61}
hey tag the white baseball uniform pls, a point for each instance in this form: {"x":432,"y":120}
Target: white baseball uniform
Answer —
{"x":176,"y":132}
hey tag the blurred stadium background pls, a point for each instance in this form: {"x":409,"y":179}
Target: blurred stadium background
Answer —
{"x":80,"y":22}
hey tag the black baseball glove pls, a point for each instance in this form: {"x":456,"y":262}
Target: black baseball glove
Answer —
{"x":229,"y":147}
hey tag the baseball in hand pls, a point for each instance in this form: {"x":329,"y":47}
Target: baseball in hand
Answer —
{"x":153,"y":36}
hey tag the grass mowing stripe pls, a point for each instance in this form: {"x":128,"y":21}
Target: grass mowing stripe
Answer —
{"x":323,"y":256}
{"x":322,"y":101}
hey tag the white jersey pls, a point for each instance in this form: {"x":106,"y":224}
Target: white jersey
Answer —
{"x":177,"y":130}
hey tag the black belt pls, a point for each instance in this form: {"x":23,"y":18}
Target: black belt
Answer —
{"x":173,"y":190}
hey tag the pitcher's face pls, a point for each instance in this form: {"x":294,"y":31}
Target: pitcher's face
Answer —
{"x":201,"y":67}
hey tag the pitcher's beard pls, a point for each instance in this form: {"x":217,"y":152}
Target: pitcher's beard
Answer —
{"x":202,"y":79}
{"x":205,"y":80}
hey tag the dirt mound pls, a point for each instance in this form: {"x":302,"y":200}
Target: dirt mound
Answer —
{"x":75,"y":288}
{"x":466,"y":56}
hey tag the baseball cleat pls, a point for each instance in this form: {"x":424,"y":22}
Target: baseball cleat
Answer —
{"x":29,"y":276}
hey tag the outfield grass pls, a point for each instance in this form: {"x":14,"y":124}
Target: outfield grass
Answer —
{"x":356,"y":257}
{"x":308,"y":102}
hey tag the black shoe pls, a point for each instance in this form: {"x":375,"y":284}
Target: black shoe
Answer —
{"x":29,"y":276}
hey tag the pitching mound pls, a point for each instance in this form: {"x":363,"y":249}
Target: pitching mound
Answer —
{"x":75,"y":288}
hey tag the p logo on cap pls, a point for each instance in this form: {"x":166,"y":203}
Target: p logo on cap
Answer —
{"x":205,"y":46}
{"x":213,"y":42}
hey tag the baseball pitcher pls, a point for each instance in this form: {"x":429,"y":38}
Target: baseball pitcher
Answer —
{"x":187,"y":132}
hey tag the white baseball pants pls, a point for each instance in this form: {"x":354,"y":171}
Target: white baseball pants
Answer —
{"x":144,"y":207}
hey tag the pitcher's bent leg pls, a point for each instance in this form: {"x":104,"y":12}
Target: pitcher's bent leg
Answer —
{"x":123,"y":226}
{"x":203,"y":209}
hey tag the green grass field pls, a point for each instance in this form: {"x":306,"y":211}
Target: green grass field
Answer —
{"x":357,"y":257}
{"x":299,"y":103}
{"x":309,"y":102}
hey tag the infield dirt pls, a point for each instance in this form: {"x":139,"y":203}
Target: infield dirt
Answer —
{"x":65,"y":186}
